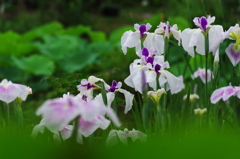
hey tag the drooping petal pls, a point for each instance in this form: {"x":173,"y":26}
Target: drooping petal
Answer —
{"x":216,"y":95}
{"x":233,"y":54}
{"x":173,"y":81}
{"x":129,"y":39}
{"x":129,"y":99}
{"x":137,"y":135}
{"x":216,"y":36}
{"x":186,"y":37}
{"x":112,"y":138}
{"x":229,"y":91}
{"x":197,"y":39}
{"x":176,"y":35}
{"x":112,"y":115}
{"x":122,"y":137}
{"x":39,"y":128}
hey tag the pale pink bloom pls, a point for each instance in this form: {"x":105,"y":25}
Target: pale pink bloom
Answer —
{"x":225,"y":93}
{"x":122,"y":136}
{"x":92,"y":117}
{"x":58,"y":112}
{"x":233,"y":54}
{"x":10,"y":91}
{"x":202,"y":74}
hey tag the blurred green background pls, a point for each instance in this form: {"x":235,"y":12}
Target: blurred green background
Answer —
{"x":52,"y":45}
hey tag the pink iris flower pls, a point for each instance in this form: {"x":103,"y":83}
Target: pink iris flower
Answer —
{"x":202,"y":74}
{"x":225,"y":93}
{"x":10,"y":91}
{"x":59,"y":112}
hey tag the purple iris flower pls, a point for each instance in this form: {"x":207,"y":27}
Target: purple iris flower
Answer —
{"x":142,"y":29}
{"x":203,"y":23}
{"x":157,"y":68}
{"x":113,"y":87}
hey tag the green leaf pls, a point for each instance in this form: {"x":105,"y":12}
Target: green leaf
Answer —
{"x":35,"y":64}
{"x":14,"y":74}
{"x":76,"y":30}
{"x":58,"y":47}
{"x":11,"y":45}
{"x":181,"y":22}
{"x":100,"y":47}
{"x":77,"y":60}
{"x":97,"y":36}
{"x":49,"y":28}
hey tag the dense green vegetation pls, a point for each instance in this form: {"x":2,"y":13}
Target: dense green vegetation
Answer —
{"x":51,"y":47}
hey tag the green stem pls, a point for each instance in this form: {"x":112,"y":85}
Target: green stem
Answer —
{"x":75,"y":130}
{"x":18,"y":107}
{"x":166,"y":45}
{"x":104,"y":94}
{"x":206,"y":68}
{"x":7,"y":114}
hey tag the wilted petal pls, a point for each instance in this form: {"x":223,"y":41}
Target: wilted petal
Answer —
{"x":39,"y":128}
{"x":112,"y":138}
{"x":122,"y":137}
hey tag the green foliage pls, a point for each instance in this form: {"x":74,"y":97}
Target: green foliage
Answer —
{"x":50,"y":49}
{"x":181,"y":22}
{"x":51,"y":28}
{"x":11,"y":44}
{"x":35,"y":64}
